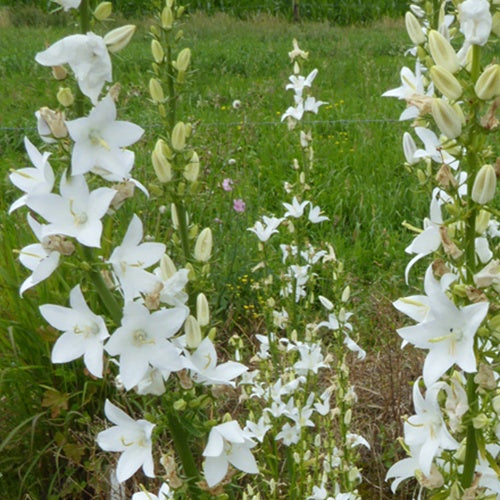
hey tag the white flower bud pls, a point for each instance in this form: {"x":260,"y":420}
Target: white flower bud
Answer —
{"x":119,"y":38}
{"x":167,"y":18}
{"x":192,"y":169}
{"x":167,"y":267}
{"x":488,"y":84}
{"x":203,"y":245}
{"x":157,"y":51}
{"x":156,"y":91}
{"x":183,"y":60}
{"x":442,"y":52}
{"x":447,"y":84}
{"x":175,"y":218}
{"x":485,"y":184}
{"x":202,"y":310}
{"x":178,"y":138}
{"x":414,"y":29}
{"x":193,"y":332}
{"x":161,"y":165}
{"x":447,"y":119}
{"x":346,"y":294}
{"x":103,"y":11}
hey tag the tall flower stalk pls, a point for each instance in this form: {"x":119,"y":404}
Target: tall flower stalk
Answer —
{"x":300,"y":395}
{"x":453,"y":97}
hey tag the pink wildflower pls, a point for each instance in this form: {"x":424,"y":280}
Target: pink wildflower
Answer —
{"x":227,"y":184}
{"x":239,"y":205}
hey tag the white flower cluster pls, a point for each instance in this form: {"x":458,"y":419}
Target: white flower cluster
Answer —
{"x":451,"y":97}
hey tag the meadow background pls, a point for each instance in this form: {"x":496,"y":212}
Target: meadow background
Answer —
{"x":47,"y":428}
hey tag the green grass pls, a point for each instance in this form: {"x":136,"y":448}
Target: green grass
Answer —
{"x":359,"y":178}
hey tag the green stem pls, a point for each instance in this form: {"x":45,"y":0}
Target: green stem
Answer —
{"x":171,"y":89}
{"x":183,"y":450}
{"x":114,"y":309}
{"x":183,"y":229}
{"x":471,"y":444}
{"x":470,"y":262}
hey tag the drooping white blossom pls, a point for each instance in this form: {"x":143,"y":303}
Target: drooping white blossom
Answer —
{"x":87,"y":56}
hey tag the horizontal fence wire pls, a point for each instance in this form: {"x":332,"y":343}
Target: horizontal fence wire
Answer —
{"x":240,"y":124}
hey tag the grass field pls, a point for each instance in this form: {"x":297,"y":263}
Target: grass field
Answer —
{"x":359,"y":177}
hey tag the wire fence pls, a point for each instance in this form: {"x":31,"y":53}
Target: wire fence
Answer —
{"x":202,"y":124}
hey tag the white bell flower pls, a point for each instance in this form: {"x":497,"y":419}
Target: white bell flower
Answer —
{"x":87,"y":56}
{"x":142,"y":341}
{"x":84,"y":332}
{"x":76,"y":212}
{"x":99,"y":139}
{"x":227,"y":444}
{"x":130,"y":437}
{"x":38,"y":179}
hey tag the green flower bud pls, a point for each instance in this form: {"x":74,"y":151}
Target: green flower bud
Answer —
{"x":480,"y":421}
{"x":156,"y":91}
{"x":179,"y":405}
{"x":203,"y":245}
{"x":447,"y":119}
{"x":180,"y":10}
{"x":414,"y":29}
{"x":183,"y":60}
{"x":442,"y":52}
{"x":447,"y":84}
{"x":157,"y":51}
{"x":178,"y":138}
{"x":485,"y":184}
{"x":488,"y":84}
{"x":65,"y":96}
{"x":167,"y":266}
{"x":202,"y":310}
{"x":103,"y":11}
{"x":482,"y":221}
{"x":162,"y":167}
{"x":167,"y":18}
{"x":193,"y":332}
{"x":119,"y":38}
{"x":192,"y":169}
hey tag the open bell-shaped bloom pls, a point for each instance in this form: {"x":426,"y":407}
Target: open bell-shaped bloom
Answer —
{"x":99,"y":139}
{"x":299,"y":82}
{"x":429,"y":240}
{"x":38,"y":179}
{"x":295,"y":209}
{"x":475,"y":21}
{"x":203,"y":365}
{"x":448,"y":333}
{"x":69,"y":4}
{"x":87,"y":56}
{"x":131,"y":259}
{"x":84,"y":332}
{"x":142,"y":341}
{"x":163,"y":494}
{"x":38,"y":258}
{"x":227,"y":444}
{"x":76,"y":212}
{"x":427,"y":430}
{"x":130,"y":437}
{"x":266,"y":229}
